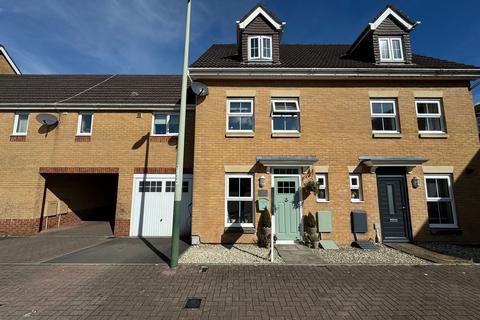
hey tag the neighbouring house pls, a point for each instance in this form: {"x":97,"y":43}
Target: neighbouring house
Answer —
{"x":374,"y":126}
{"x":379,"y":128}
{"x":7,"y":66}
{"x":477,"y":115}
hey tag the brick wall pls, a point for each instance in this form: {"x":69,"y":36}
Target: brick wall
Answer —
{"x":5,"y":67}
{"x":336,"y":128}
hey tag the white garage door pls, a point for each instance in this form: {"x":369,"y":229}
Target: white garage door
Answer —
{"x":152,"y":209}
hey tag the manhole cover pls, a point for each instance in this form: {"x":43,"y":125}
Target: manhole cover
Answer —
{"x":193,"y":303}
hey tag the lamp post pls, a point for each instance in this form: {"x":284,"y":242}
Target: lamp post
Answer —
{"x":177,"y":207}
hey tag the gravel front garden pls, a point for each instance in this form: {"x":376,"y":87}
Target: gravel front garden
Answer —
{"x":469,"y":252}
{"x":252,"y":254}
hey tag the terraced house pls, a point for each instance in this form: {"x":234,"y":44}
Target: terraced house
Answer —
{"x":376,"y":128}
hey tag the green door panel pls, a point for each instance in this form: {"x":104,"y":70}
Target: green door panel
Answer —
{"x":287,"y":210}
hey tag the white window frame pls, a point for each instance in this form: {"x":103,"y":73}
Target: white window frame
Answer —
{"x":167,"y":114}
{"x":260,"y":48}
{"x":389,"y":41}
{"x":385,"y":115}
{"x":79,"y":124}
{"x":228,"y":198}
{"x":15,"y":124}
{"x":324,"y":176}
{"x":450,"y":199}
{"x":241,"y":114}
{"x":285,"y":113}
{"x":359,"y":187}
{"x":438,"y":115}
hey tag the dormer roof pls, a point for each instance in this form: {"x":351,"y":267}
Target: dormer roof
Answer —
{"x":260,"y":9}
{"x":391,"y":10}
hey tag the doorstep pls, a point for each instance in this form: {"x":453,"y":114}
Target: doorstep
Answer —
{"x":298,"y":254}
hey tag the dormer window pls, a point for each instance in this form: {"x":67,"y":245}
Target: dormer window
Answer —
{"x":391,"y":49}
{"x":260,"y":48}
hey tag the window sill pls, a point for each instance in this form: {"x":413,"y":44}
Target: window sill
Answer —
{"x":163,"y":139}
{"x":383,"y":135}
{"x":244,"y":230}
{"x":83,"y":138}
{"x":439,"y":135}
{"x":323,"y":201}
{"x":286,"y":135}
{"x":356,"y":201}
{"x":239,"y":134}
{"x":18,"y":138}
{"x":445,"y":230}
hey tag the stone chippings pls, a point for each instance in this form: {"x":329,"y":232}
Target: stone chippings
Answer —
{"x":237,"y":253}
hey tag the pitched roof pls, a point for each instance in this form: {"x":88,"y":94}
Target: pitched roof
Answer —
{"x":392,"y":9}
{"x":311,"y":56}
{"x":71,"y":90}
{"x":255,"y":11}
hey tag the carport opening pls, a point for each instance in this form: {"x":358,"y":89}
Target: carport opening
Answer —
{"x":79,"y":197}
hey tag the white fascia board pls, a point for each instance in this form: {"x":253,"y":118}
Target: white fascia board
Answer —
{"x":254,"y":14}
{"x":9,"y":60}
{"x":306,"y":73}
{"x":374,"y":25}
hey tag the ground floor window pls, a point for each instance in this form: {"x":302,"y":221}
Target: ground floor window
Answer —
{"x":322,"y":195}
{"x":355,"y":188}
{"x":440,"y":203}
{"x":239,"y":200}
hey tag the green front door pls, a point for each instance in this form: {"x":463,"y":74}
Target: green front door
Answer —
{"x":287,"y":209}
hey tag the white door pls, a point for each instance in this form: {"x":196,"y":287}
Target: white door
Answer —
{"x":152,"y":208}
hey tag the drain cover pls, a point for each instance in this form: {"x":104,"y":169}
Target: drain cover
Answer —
{"x":193,"y":303}
{"x":204,"y":269}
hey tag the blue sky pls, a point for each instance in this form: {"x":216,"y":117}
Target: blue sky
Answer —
{"x":146,"y":36}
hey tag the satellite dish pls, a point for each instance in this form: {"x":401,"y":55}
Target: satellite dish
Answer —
{"x":47,"y":119}
{"x":200,"y":89}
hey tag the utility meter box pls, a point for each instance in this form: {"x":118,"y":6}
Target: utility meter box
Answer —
{"x":262,"y":204}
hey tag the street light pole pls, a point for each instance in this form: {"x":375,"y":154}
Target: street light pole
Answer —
{"x":177,"y":207}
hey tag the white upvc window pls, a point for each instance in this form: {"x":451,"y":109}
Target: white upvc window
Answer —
{"x":384,"y":116}
{"x":440,"y":202}
{"x":285,"y":115}
{"x":240,"y":115}
{"x":322,"y":182}
{"x":391,"y":49}
{"x":260,"y":48}
{"x":20,"y":124}
{"x":239,"y":208}
{"x":85,"y":124}
{"x":356,"y":194}
{"x":429,"y":116}
{"x":165,"y":124}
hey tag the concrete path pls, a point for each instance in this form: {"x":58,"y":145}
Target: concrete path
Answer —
{"x":46,"y":291}
{"x":426,"y":254}
{"x":298,"y":254}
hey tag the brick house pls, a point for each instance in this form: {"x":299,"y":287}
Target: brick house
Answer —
{"x":379,"y":128}
{"x":372,"y":125}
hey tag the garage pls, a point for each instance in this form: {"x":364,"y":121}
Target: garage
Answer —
{"x":152,"y":205}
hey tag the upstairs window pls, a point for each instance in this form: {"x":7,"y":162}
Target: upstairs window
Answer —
{"x":285,"y":115}
{"x":165,"y":124}
{"x":384,"y":116}
{"x":429,"y":116}
{"x":85,"y":124}
{"x":260,"y":48}
{"x":20,"y":124}
{"x":390,"y":49}
{"x":240,"y":115}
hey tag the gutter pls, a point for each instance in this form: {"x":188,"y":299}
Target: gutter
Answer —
{"x":341,"y":73}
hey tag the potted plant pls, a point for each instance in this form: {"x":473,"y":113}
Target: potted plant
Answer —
{"x":306,"y":239}
{"x":315,"y":240}
{"x":311,"y":186}
{"x":310,"y":224}
{"x":265,"y":223}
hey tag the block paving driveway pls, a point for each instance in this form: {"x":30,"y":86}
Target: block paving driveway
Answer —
{"x":53,"y":291}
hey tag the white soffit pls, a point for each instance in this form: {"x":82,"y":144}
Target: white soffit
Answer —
{"x":254,"y":14}
{"x":374,"y":25}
